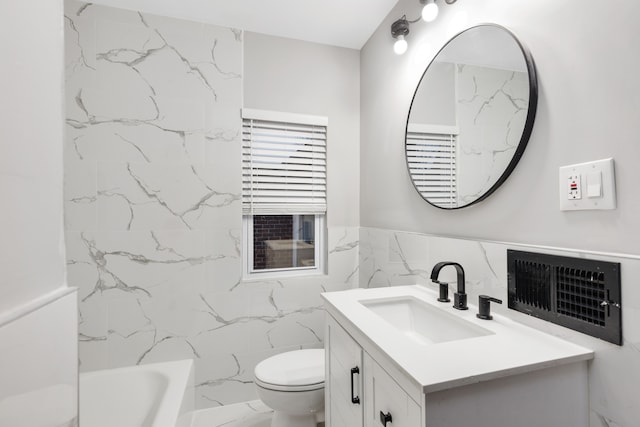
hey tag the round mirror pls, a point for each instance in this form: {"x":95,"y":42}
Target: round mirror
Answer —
{"x":471,"y":117}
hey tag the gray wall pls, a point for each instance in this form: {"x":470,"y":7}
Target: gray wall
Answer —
{"x":31,"y":247}
{"x":307,"y":78}
{"x":435,"y":102}
{"x":38,"y":323}
{"x":587,"y":110}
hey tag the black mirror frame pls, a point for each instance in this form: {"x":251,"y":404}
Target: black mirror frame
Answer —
{"x":528,"y":126}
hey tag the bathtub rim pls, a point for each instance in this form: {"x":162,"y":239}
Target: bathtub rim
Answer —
{"x":175,"y":401}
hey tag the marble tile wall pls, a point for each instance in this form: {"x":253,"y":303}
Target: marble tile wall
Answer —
{"x":390,"y":258}
{"x":491,"y":112}
{"x":152,"y":206}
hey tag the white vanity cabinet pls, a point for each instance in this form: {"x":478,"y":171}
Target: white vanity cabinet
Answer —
{"x":359,"y":392}
{"x":376,"y":377}
{"x":343,"y":385}
{"x":385,"y":400}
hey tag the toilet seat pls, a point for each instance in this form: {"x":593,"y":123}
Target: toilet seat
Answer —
{"x":300,"y":370}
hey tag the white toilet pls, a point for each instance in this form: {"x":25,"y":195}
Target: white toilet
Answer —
{"x":292,"y":384}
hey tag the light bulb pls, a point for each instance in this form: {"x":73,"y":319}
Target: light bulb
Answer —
{"x":430,"y":11}
{"x":400,"y":46}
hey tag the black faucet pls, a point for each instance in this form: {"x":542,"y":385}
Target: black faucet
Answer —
{"x":459,"y":297}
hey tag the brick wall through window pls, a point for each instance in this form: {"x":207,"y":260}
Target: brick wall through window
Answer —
{"x":269,"y":227}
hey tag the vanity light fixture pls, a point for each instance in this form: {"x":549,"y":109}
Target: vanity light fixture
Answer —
{"x":400,"y":28}
{"x":401,"y":45}
{"x":430,"y":10}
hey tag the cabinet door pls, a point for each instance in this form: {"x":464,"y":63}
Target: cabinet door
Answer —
{"x":385,"y":398}
{"x":343,"y":387}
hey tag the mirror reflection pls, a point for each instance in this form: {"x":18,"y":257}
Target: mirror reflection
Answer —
{"x":471,"y":116}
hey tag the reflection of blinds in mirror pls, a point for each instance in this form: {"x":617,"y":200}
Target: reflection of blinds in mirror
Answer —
{"x":284,"y":164}
{"x":431,"y":159}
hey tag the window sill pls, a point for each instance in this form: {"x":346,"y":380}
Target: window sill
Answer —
{"x":272,"y":275}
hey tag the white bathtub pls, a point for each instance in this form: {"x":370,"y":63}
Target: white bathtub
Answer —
{"x":139,"y":396}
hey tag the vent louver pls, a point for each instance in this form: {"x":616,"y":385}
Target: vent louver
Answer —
{"x":577,"y":293}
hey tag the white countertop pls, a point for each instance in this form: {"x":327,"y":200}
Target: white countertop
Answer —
{"x":512,"y":349}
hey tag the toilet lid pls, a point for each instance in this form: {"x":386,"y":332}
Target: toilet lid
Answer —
{"x":292,"y":369}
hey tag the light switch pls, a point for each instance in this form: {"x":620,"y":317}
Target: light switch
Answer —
{"x":588,"y":186}
{"x":594,"y":184}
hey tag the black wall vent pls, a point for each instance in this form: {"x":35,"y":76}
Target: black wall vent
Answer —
{"x":577,"y":293}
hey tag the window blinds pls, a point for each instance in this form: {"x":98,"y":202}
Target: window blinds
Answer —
{"x":431,"y":158}
{"x":284,"y":164}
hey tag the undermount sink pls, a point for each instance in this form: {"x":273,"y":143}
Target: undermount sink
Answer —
{"x":423,"y":322}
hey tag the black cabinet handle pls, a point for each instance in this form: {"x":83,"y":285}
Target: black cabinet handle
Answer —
{"x":385,"y":418}
{"x":354,"y":399}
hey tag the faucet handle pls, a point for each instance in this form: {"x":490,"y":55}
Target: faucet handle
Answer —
{"x":484,"y":306}
{"x":444,"y":291}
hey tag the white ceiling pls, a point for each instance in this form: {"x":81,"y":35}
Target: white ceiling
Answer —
{"x":345,"y":23}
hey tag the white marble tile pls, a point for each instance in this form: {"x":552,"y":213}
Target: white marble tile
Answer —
{"x":219,"y":209}
{"x":117,"y":97}
{"x":175,"y":185}
{"x":124,"y":41}
{"x":154,"y":220}
{"x":137,"y":263}
{"x":407,"y":259}
{"x":374,"y":252}
{"x":224,"y":338}
{"x":129,"y":350}
{"x":223,"y":379}
{"x":168,"y":348}
{"x":295,"y":298}
{"x":92,"y":334}
{"x":343,"y":244}
{"x":93,"y":354}
{"x":79,"y":43}
{"x":81,"y":268}
{"x":80,"y":192}
{"x":181,"y":91}
{"x":224,"y":268}
{"x":226,"y":324}
{"x":134,"y":337}
{"x":128,"y":316}
{"x":121,"y":197}
{"x":305,"y":328}
{"x":246,"y":414}
{"x":492,"y":104}
{"x":79,"y":148}
{"x":597,"y":420}
{"x":135,"y":196}
{"x":105,"y":13}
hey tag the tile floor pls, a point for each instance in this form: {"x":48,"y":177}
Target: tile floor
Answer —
{"x":246,"y":414}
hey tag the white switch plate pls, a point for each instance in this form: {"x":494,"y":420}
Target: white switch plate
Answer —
{"x":585,"y":175}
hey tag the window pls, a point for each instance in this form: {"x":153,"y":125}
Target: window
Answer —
{"x":431,"y":158}
{"x":284,"y":181}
